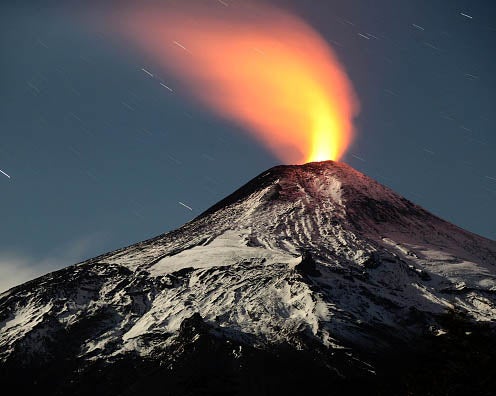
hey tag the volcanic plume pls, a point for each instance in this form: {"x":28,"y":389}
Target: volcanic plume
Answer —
{"x":256,"y":65}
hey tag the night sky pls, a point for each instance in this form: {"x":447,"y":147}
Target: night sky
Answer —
{"x":100,"y":155}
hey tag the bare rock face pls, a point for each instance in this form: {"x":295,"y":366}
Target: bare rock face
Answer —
{"x":308,"y":278}
{"x":307,"y":266}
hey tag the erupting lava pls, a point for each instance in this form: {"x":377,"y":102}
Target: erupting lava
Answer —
{"x":256,"y":65}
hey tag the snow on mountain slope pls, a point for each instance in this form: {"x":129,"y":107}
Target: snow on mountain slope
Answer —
{"x":318,"y":250}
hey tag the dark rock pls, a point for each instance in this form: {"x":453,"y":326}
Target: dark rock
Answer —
{"x":194,"y":325}
{"x":373,"y":261}
{"x":424,"y":275}
{"x":307,"y":266}
{"x":420,"y":272}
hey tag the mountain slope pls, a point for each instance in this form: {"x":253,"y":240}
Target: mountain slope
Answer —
{"x":317,"y":265}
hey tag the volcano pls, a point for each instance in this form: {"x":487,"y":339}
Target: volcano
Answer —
{"x":309,"y":278}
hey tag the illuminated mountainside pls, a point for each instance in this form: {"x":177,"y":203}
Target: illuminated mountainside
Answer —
{"x":306,"y":277}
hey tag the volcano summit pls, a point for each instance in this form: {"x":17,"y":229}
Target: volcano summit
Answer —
{"x":310,"y":278}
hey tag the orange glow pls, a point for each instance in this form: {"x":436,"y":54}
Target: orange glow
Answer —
{"x":256,"y":65}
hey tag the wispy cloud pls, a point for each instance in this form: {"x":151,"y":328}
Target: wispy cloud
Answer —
{"x":17,"y":267}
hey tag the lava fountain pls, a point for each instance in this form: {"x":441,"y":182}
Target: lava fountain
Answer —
{"x":254,"y":64}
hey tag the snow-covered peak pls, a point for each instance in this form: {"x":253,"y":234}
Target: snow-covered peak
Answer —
{"x":330,"y":186}
{"x":316,"y":253}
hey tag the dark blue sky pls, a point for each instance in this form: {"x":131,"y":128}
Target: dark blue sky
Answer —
{"x":100,"y":154}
